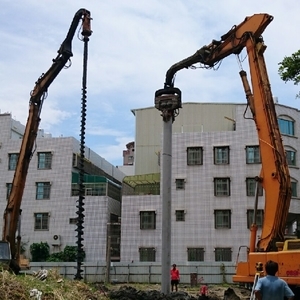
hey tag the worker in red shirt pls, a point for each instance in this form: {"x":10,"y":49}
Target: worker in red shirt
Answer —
{"x":204,"y":290}
{"x":174,"y":278}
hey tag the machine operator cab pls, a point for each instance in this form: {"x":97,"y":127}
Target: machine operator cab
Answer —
{"x":5,"y":256}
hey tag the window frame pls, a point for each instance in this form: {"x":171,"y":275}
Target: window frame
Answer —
{"x":223,"y":254}
{"x":195,"y":254}
{"x":220,"y":216}
{"x":180,"y":215}
{"x":44,"y":163}
{"x":12,"y":161}
{"x":256,"y":159}
{"x":292,"y":162}
{"x":220,"y":182}
{"x":147,"y":220}
{"x":259,"y":218}
{"x":286,"y":125}
{"x":44,"y":224}
{"x":147,"y":254}
{"x":193,"y":157}
{"x":252,"y":181}
{"x":73,"y":221}
{"x":225,"y":151}
{"x":294,"y":187}
{"x":180,"y":183}
{"x":8,"y":189}
{"x":43,"y":190}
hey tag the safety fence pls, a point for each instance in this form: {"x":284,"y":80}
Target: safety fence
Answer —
{"x":195,"y":275}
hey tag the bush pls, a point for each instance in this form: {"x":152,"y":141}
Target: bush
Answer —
{"x":39,"y":251}
{"x":68,"y":254}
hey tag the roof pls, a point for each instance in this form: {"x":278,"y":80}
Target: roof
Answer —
{"x":144,"y":179}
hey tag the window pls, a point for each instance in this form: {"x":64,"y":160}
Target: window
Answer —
{"x":8,"y":190}
{"x":75,"y":160}
{"x":291,"y":157}
{"x":130,"y":160}
{"x":180,"y":215}
{"x":294,"y":186}
{"x":222,"y":186}
{"x":259,"y":217}
{"x":96,"y":189}
{"x":222,"y":219}
{"x":286,"y":126}
{"x":44,"y":160}
{"x":194,"y":156}
{"x":223,"y":254}
{"x":114,"y":218}
{"x":73,"y":221}
{"x":43,"y":190}
{"x":251,"y":187}
{"x":147,"y":220}
{"x":12,"y":161}
{"x":180,"y":184}
{"x":41,"y":221}
{"x":147,"y":254}
{"x":195,"y":254}
{"x":252,"y":155}
{"x":221,"y":155}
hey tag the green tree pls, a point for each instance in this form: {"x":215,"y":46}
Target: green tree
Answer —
{"x":289,"y":69}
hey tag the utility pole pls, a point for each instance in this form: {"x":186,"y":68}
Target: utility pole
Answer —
{"x":168,"y":101}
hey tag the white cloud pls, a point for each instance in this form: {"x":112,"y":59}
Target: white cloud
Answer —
{"x":113,"y":152}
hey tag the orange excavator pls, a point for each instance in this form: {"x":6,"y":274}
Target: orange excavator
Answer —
{"x":10,"y":244}
{"x":274,"y":176}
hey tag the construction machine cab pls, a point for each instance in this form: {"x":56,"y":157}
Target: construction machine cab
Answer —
{"x":5,"y":256}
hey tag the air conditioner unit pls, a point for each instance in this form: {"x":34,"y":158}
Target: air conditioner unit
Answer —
{"x":56,"y":240}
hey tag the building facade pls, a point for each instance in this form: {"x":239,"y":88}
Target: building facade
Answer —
{"x":128,"y":160}
{"x":49,"y":212}
{"x":215,"y":159}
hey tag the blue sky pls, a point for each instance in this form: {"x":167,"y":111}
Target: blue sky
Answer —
{"x":134,"y":43}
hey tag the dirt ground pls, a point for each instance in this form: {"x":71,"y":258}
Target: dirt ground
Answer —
{"x":55,"y":287}
{"x":215,"y":292}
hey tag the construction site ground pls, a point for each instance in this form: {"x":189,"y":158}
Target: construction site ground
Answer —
{"x":56,"y":287}
{"x":185,"y":292}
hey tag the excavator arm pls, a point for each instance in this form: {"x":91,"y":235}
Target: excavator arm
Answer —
{"x":274,"y":175}
{"x":232,"y":42}
{"x":13,"y":209}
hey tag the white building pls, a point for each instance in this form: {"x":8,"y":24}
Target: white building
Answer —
{"x":49,"y":212}
{"x":212,"y":190}
{"x":215,"y":158}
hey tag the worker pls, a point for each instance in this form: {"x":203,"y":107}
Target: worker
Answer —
{"x":271,"y":287}
{"x":175,"y":277}
{"x":204,"y":290}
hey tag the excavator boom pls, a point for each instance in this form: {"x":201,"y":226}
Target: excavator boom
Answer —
{"x":275,"y":173}
{"x":13,"y":209}
{"x":274,"y":176}
{"x":232,"y":42}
